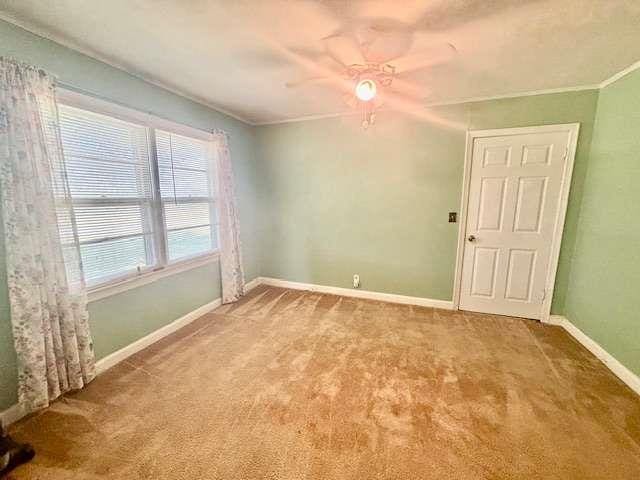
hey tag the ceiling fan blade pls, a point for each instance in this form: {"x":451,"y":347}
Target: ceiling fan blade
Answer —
{"x":392,"y":95}
{"x":409,"y":89}
{"x":378,"y":101}
{"x":416,"y":109}
{"x":350,"y":100}
{"x":428,"y":57}
{"x":315,"y":68}
{"x":387,"y":46}
{"x":308,"y":81}
{"x":327,"y":61}
{"x":344,"y":49}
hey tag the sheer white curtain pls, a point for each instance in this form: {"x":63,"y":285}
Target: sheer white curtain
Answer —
{"x":44,"y":271}
{"x":231,"y":271}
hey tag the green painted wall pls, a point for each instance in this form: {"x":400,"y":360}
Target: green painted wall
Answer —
{"x":343,"y":201}
{"x":122,"y":319}
{"x":321,"y":200}
{"x":603,"y":296}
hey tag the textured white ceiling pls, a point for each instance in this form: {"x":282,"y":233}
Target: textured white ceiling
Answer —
{"x":237,"y":54}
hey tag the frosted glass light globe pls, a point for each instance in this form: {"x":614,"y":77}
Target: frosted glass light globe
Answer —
{"x":366,"y":90}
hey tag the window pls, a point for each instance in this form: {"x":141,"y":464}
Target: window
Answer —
{"x":186,"y":190}
{"x":143,"y":197}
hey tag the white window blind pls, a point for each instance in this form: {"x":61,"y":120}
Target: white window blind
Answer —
{"x":143,"y":197}
{"x":186,"y":172}
{"x":108,"y":169}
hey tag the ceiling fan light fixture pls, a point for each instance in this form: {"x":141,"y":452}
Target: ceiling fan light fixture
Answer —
{"x":366,"y":89}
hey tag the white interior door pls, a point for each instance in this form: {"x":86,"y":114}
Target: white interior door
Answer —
{"x":513,"y":212}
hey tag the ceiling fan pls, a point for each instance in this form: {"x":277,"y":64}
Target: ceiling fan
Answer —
{"x":369,"y":65}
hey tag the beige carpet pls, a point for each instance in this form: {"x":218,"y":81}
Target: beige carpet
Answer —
{"x":300,"y":385}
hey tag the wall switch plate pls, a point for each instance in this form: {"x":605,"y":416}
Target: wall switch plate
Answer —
{"x":356,"y":281}
{"x":453,"y":217}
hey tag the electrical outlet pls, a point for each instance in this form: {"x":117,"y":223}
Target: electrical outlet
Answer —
{"x":356,"y":281}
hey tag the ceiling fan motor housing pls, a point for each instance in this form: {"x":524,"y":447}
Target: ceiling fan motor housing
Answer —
{"x":382,"y":74}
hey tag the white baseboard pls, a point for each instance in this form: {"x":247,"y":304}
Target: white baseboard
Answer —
{"x":15,"y":412}
{"x":142,"y":343}
{"x":622,"y":372}
{"x":120,"y":355}
{"x":252,"y":284}
{"x":348,"y":292}
{"x":12,"y":414}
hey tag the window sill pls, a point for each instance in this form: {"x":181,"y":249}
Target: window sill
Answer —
{"x":114,"y":288}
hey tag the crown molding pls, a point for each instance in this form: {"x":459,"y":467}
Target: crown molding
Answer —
{"x":148,"y":79}
{"x":620,"y":74}
{"x":39,"y":32}
{"x":530,"y":93}
{"x":460,"y":101}
{"x":305,"y":118}
{"x":548,"y":91}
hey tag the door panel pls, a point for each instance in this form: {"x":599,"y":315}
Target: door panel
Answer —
{"x":520,"y":274}
{"x":485,"y":266}
{"x":492,"y":192}
{"x":530,"y":204}
{"x":537,"y":154}
{"x":497,"y":156}
{"x":514,"y":201}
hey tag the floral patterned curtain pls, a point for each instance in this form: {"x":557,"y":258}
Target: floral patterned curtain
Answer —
{"x":44,"y":272}
{"x":230,"y":256}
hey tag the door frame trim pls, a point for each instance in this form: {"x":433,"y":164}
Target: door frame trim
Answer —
{"x":573,"y":130}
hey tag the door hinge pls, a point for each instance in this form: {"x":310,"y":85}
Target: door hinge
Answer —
{"x":566,"y":154}
{"x":544,"y":294}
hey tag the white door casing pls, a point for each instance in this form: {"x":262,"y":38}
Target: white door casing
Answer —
{"x":514,"y":202}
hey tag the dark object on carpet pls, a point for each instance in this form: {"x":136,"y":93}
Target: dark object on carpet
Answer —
{"x":296,"y":385}
{"x":13,"y":453}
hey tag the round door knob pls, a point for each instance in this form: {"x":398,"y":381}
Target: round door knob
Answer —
{"x":471,"y":238}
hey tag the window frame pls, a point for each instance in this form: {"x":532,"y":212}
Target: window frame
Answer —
{"x":212,"y":200}
{"x":163,"y":266}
